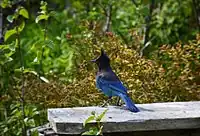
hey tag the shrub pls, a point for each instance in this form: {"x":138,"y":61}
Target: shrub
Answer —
{"x":172,"y":74}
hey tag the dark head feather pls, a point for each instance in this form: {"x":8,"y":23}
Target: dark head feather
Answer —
{"x":102,"y":61}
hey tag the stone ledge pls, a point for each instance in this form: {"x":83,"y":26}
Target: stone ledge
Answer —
{"x":154,"y":116}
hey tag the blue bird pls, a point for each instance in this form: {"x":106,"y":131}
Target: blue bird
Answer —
{"x":108,"y":82}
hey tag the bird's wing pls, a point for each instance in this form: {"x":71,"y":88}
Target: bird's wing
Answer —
{"x":113,"y":85}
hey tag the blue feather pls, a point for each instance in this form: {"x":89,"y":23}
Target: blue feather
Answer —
{"x":129,"y":104}
{"x":115,"y":88}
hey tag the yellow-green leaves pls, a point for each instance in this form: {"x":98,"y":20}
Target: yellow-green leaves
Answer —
{"x":23,"y":12}
{"x":21,"y":26}
{"x":9,"y":33}
{"x":41,"y":17}
{"x":6,"y":3}
{"x":44,"y":15}
{"x":94,"y":130}
{"x":13,"y":31}
{"x":89,"y":119}
{"x":44,"y":79}
{"x":19,"y":11}
{"x":43,"y":6}
{"x":99,"y":118}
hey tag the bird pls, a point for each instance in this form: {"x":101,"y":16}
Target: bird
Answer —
{"x":108,"y":82}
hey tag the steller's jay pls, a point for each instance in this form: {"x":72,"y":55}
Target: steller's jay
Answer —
{"x":108,"y":82}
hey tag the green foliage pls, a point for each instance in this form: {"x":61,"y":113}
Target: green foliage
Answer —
{"x":170,"y":22}
{"x":19,"y":11}
{"x":16,"y":117}
{"x":12,"y":125}
{"x":94,"y":130}
{"x":23,"y":12}
{"x":6,"y":3}
{"x":43,"y":13}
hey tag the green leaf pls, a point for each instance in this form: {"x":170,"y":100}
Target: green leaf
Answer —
{"x":16,"y":43}
{"x":44,"y":79}
{"x":36,"y":60}
{"x":19,"y":69}
{"x":24,"y":13}
{"x":3,"y":47}
{"x":41,"y":17}
{"x":8,"y":59}
{"x":39,"y":54}
{"x":26,"y":119}
{"x":9,"y":54}
{"x":5,"y":130}
{"x":30,"y":71}
{"x":52,"y":13}
{"x":43,"y":5}
{"x":101,"y":115}
{"x":21,"y":27}
{"x":12,"y":47}
{"x":48,"y":43}
{"x":88,"y":120}
{"x":6,"y":3}
{"x":9,"y":33}
{"x":10,"y":18}
{"x":92,"y":131}
{"x":87,"y":133}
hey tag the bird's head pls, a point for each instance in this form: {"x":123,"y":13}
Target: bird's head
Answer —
{"x":102,"y":61}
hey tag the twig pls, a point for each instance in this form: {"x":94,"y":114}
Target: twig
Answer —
{"x":148,"y":21}
{"x":42,"y":55}
{"x":145,"y":46}
{"x":108,"y":18}
{"x":22,"y":76}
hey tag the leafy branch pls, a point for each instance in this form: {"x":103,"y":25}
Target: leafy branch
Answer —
{"x":43,"y":16}
{"x":97,"y":129}
{"x":19,"y":26}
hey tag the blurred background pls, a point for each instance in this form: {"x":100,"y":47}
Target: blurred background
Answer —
{"x":46,"y":48}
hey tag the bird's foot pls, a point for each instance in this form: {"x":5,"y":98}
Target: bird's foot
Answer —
{"x":106,"y":102}
{"x":118,"y":102}
{"x":103,"y":105}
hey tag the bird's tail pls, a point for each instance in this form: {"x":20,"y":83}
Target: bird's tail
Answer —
{"x":129,"y":103}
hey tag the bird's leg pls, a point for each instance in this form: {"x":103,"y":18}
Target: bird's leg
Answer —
{"x":118,"y":101}
{"x":109,"y":99}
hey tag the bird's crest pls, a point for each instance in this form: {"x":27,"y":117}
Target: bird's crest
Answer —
{"x":102,"y":57}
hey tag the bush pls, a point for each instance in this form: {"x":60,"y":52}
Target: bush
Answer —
{"x":171,"y":76}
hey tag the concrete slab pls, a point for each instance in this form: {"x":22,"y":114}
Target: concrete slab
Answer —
{"x":154,"y":116}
